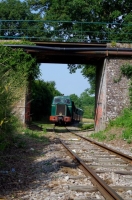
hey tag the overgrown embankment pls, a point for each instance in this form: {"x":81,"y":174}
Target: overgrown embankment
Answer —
{"x":17,"y":67}
{"x":122,"y":122}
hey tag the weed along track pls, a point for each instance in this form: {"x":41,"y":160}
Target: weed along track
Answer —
{"x":105,"y":172}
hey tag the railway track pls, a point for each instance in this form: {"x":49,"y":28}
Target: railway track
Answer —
{"x":109,"y":172}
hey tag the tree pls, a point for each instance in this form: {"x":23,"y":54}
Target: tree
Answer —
{"x":85,"y":102}
{"x":42,"y":95}
{"x":86,"y":99}
{"x":70,"y":14}
{"x":72,"y":11}
{"x":16,"y":10}
{"x":89,"y":71}
{"x":76,"y":100}
{"x":88,"y":104}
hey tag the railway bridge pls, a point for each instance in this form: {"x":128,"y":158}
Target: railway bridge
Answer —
{"x":80,"y":43}
{"x":112,"y":88}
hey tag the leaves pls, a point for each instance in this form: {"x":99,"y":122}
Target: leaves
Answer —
{"x":17,"y":69}
{"x":15,"y":10}
{"x":42,"y":95}
{"x":85,"y":102}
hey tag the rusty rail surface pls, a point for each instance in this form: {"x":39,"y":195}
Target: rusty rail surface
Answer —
{"x":104,"y":189}
{"x":125,"y":157}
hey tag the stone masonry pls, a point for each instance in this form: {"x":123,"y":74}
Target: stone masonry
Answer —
{"x":113,"y":92}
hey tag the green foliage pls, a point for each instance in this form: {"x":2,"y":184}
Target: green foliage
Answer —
{"x":127,"y":28}
{"x":88,"y":104}
{"x":86,"y":98}
{"x":111,"y":137}
{"x":10,"y":81}
{"x":6,"y":42}
{"x":126,"y":70}
{"x":118,"y":12}
{"x":42,"y":95}
{"x":100,"y":136}
{"x":16,"y":69}
{"x":16,"y":10}
{"x":76,"y":100}
{"x":39,"y":135}
{"x":85,"y":102}
{"x":124,"y":121}
{"x":103,"y":135}
{"x":88,"y":111}
{"x":113,"y":44}
{"x":89,"y":72}
{"x":19,"y":61}
{"x":7,"y":129}
{"x":89,"y":11}
{"x":127,"y":135}
{"x":86,"y":126}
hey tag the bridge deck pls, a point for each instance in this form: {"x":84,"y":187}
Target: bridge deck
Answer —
{"x":64,"y":56}
{"x":72,"y":53}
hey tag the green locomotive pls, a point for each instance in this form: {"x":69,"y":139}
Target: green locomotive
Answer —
{"x":63,"y":110}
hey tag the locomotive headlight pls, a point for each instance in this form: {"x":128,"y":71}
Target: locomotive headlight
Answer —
{"x":60,"y":113}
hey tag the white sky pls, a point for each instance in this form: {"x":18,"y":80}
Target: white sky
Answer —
{"x":66,"y":83}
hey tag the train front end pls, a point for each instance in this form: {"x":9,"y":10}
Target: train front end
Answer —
{"x":61,"y":110}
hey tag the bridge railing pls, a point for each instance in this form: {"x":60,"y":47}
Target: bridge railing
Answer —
{"x":66,"y":31}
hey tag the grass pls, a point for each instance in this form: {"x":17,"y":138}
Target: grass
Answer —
{"x":85,"y":120}
{"x":18,"y":138}
{"x":127,"y":135}
{"x":124,"y":121}
{"x":38,"y":131}
{"x":100,"y":136}
{"x":86,"y":124}
{"x":39,"y":135}
{"x":103,"y":135}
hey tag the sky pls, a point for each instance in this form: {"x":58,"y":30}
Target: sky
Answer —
{"x":66,"y":83}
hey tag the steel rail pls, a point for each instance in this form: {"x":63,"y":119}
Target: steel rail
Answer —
{"x":125,"y":157}
{"x":104,"y":189}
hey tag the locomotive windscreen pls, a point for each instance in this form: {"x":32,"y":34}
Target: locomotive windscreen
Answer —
{"x":62,"y":100}
{"x":60,"y":109}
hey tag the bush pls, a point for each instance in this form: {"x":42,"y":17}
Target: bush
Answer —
{"x":16,"y":69}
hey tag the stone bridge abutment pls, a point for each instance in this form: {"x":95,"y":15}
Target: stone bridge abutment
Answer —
{"x":112,"y":91}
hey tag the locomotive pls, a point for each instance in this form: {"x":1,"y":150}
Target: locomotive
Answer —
{"x":63,"y":111}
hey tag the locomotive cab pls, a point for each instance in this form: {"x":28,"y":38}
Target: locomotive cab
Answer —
{"x":61,"y":110}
